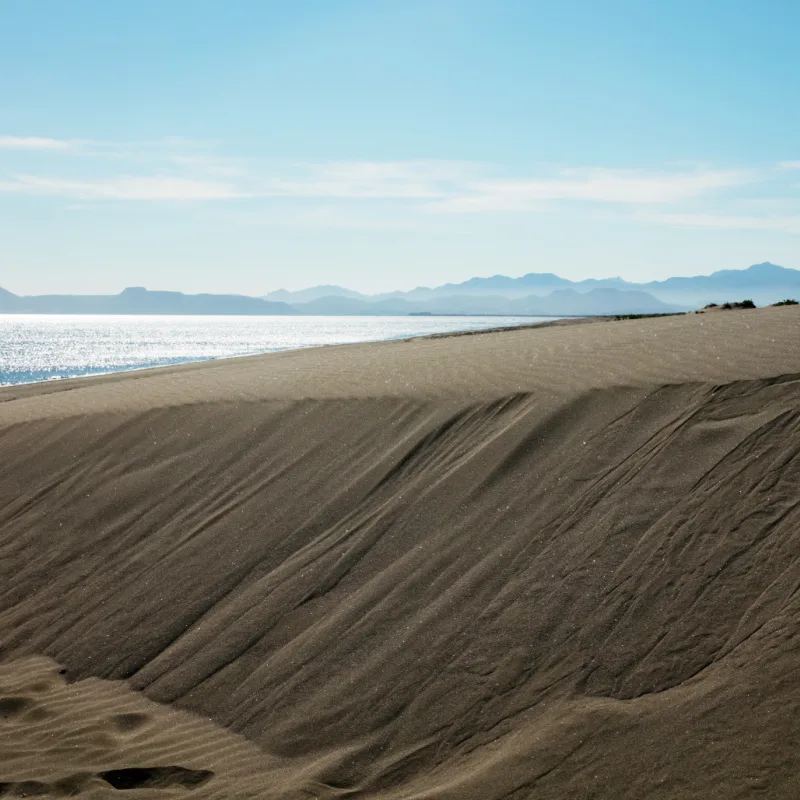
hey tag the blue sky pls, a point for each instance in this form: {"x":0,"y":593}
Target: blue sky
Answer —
{"x":245,"y":146}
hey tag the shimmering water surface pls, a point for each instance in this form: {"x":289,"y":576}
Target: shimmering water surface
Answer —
{"x":39,"y":348}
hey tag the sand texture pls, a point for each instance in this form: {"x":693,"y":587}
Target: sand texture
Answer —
{"x":554,"y":563}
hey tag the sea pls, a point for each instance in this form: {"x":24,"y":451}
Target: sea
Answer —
{"x":52,"y":347}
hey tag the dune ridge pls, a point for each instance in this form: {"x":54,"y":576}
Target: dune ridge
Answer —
{"x":537,"y":563}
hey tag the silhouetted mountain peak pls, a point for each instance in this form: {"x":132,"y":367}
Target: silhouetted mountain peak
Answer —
{"x":311,"y":294}
{"x":542,"y":279}
{"x":768,"y":269}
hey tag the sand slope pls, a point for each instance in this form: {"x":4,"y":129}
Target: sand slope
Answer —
{"x":541,"y":563}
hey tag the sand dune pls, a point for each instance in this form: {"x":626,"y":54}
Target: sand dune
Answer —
{"x":532,"y":564}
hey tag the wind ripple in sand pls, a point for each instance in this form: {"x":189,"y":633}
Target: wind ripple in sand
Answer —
{"x":95,"y":738}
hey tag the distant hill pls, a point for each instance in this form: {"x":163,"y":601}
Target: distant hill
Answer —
{"x":594,"y":303}
{"x":764,"y":283}
{"x":352,"y":306}
{"x":138,"y":300}
{"x":562,"y":302}
{"x":311,"y":294}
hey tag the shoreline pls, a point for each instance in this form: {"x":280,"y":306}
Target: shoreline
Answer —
{"x":282,"y":373}
{"x":201,"y":360}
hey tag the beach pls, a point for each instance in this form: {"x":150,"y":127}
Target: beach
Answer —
{"x":555,"y":562}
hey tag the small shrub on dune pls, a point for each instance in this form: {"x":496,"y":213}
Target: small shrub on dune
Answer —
{"x":787,"y":302}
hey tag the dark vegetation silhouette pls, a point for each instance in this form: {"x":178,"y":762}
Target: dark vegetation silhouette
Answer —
{"x":741,"y":304}
{"x":618,"y":317}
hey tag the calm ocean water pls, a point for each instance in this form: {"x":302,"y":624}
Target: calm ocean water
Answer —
{"x":39,"y":348}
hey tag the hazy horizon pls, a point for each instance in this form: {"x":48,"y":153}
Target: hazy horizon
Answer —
{"x":10,"y":288}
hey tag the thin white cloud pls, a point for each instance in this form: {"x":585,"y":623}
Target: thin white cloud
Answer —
{"x":124,"y":188}
{"x":217,"y":168}
{"x":483,"y":203}
{"x":593,"y":185}
{"x":371,"y":179}
{"x":35,"y":143}
{"x":177,"y":150}
{"x":344,"y":194}
{"x":786,"y":224}
{"x":343,"y":217}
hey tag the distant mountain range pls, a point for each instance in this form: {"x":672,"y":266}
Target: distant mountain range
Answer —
{"x":563,"y":302}
{"x":537,"y":294}
{"x":137,"y":300}
{"x":763,"y":283}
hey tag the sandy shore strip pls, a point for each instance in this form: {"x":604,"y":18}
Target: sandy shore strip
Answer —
{"x":542,"y":563}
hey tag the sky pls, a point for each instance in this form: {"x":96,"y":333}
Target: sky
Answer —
{"x":247,"y":145}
